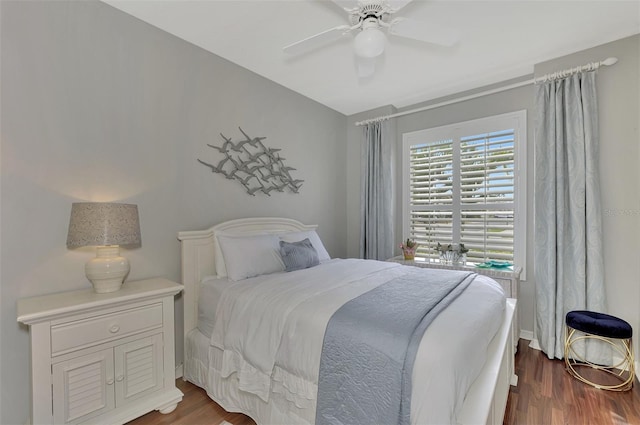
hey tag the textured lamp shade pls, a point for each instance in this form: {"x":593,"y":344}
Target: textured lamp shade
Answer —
{"x":107,"y":226}
{"x":99,"y":224}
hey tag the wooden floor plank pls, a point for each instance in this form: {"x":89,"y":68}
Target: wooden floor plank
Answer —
{"x":569,"y":402}
{"x":546,"y":394}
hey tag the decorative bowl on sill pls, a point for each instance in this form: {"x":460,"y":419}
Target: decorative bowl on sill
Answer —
{"x":493,"y":264}
{"x":453,"y":257}
{"x":454,"y":254}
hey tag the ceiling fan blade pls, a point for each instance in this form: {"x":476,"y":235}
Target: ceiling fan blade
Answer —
{"x":398,"y":4}
{"x":318,"y":40}
{"x":429,"y":33}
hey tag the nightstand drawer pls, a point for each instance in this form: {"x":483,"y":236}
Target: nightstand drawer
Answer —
{"x":94,"y":330}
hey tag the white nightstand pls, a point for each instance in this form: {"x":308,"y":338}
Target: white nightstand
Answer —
{"x":508,"y":279}
{"x":102,"y":358}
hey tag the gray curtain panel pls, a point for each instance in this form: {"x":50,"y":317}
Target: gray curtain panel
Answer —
{"x":568,"y":216}
{"x":376,"y":201}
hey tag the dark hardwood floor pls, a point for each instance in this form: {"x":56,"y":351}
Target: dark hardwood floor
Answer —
{"x":545,"y":395}
{"x":196,"y":408}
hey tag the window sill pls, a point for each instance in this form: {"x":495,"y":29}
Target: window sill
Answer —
{"x":512,"y":272}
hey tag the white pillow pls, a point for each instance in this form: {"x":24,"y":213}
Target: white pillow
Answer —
{"x":221,"y":270}
{"x":249,"y":256}
{"x":312,"y":235}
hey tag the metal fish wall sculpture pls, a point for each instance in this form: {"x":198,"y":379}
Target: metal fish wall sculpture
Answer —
{"x":258,"y":168}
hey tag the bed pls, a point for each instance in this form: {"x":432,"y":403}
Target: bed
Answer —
{"x":449,"y":384}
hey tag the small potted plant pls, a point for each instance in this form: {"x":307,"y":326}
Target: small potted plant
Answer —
{"x":409,"y":249}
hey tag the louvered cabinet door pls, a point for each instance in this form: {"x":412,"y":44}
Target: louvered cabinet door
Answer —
{"x":83,"y":387}
{"x":138,"y":369}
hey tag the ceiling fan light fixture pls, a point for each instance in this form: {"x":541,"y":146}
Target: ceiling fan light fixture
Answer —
{"x":369,"y":43}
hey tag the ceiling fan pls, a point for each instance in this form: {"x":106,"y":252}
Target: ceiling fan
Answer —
{"x":369,"y":18}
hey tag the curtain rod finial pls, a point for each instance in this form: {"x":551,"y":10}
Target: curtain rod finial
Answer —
{"x":609,"y":61}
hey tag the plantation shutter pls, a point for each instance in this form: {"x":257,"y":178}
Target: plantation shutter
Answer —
{"x":431,"y":189}
{"x":486,"y":195}
{"x":462,"y":191}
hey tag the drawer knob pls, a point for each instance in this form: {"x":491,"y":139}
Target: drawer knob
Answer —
{"x":113,"y":329}
{"x":110,"y":381}
{"x":119,"y":378}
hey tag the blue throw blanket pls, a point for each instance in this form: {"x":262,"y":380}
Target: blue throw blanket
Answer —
{"x":370,"y":345}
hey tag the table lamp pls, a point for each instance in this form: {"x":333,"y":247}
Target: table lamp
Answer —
{"x":106,"y":226}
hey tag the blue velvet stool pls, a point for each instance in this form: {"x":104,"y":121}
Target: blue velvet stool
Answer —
{"x":584,"y":325}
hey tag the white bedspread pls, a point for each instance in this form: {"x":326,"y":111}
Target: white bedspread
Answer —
{"x":211,"y":290}
{"x":271,"y":328}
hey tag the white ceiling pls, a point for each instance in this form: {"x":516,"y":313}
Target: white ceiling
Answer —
{"x":499,"y":40}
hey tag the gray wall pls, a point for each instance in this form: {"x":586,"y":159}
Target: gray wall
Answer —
{"x":97,"y":105}
{"x":619,"y":96}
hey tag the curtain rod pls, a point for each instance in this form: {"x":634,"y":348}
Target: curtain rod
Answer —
{"x":547,"y":77}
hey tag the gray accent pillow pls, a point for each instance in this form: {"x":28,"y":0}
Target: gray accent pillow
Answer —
{"x":298,"y":255}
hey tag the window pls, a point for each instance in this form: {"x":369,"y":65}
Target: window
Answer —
{"x":465,"y":183}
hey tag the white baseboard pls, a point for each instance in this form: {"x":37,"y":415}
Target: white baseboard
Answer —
{"x":514,"y":380}
{"x":528,"y":335}
{"x":179,"y":371}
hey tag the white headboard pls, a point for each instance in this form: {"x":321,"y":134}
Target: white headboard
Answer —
{"x":198,"y":254}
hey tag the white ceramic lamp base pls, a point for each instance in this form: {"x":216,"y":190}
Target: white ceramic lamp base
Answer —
{"x":108,"y":270}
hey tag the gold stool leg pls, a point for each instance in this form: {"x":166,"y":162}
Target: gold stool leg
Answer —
{"x":624,"y":370}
